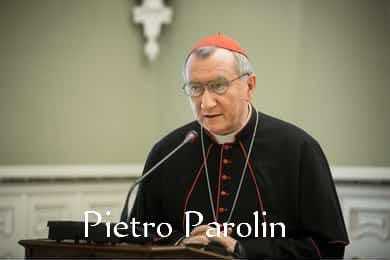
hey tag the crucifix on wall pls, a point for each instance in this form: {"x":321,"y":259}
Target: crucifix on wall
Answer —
{"x":152,"y":14}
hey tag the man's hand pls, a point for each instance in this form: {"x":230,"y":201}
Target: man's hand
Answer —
{"x":204,"y":234}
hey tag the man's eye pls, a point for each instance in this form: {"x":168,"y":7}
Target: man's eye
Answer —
{"x":196,"y":88}
{"x":218,"y":86}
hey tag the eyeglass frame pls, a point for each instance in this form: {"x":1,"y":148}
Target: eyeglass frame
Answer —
{"x":206,"y":85}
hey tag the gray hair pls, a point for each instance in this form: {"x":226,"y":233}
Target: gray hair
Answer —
{"x":241,"y":62}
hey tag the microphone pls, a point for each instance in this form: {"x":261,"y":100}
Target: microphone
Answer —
{"x":127,"y":210}
{"x":191,"y":137}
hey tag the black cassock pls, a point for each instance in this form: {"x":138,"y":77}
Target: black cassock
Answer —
{"x":288,"y":177}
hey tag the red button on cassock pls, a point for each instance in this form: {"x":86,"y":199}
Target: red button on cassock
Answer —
{"x":221,"y":210}
{"x":226,"y":161}
{"x":224,"y":193}
{"x":226,"y":177}
{"x":227,"y":146}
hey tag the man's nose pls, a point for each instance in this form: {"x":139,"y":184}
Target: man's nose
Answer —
{"x":208,"y":100}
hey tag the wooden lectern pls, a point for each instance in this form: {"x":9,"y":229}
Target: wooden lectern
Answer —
{"x":42,"y":248}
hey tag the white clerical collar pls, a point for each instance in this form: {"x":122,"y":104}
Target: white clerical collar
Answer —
{"x":230,"y":138}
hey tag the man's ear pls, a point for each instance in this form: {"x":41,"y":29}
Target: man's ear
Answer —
{"x":251,"y":85}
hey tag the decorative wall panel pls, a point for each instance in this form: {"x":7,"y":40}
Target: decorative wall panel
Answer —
{"x":368,"y":222}
{"x":366,"y":209}
{"x":25,"y":208}
{"x":6,"y":221}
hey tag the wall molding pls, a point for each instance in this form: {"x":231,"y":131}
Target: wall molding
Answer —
{"x":97,"y":171}
{"x":25,"y":172}
{"x":361,"y":173}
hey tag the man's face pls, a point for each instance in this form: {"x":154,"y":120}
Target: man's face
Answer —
{"x":220,"y":114}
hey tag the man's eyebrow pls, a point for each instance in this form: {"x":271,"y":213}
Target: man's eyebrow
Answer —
{"x":194,"y":82}
{"x":220,"y":78}
{"x":199,"y":82}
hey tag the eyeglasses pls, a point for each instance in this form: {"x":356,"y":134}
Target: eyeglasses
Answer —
{"x":218,"y":86}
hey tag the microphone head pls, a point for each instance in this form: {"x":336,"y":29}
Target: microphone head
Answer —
{"x":191,"y":136}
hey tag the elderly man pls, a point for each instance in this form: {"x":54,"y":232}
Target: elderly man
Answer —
{"x":245,"y":167}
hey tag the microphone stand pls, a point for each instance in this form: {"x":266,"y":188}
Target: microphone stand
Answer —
{"x":126,"y":212}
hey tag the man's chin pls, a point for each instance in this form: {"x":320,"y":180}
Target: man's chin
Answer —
{"x":216,"y":130}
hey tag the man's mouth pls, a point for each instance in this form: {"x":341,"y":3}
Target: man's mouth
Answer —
{"x":212,"y":116}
